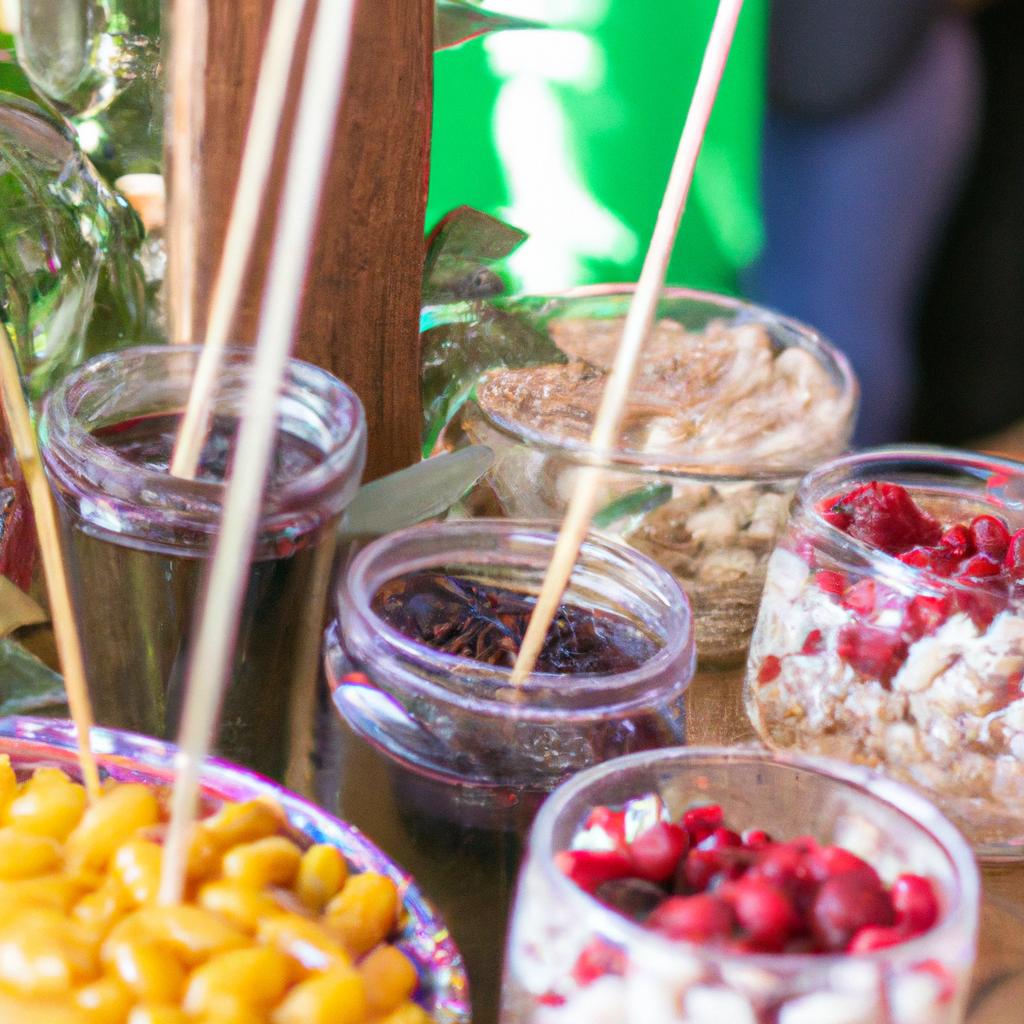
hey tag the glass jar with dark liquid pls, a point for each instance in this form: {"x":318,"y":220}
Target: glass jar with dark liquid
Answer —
{"x":138,"y":540}
{"x":444,"y":761}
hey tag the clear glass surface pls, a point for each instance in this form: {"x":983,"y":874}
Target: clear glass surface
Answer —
{"x":950,"y":720}
{"x":922,"y":981}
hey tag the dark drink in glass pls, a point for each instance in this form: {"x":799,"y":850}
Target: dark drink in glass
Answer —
{"x":138,"y":539}
{"x":444,"y":761}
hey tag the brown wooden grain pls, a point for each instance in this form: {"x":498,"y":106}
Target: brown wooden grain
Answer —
{"x":360,"y":317}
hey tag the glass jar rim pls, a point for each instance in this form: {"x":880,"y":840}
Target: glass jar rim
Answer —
{"x":711,"y":467}
{"x":359,"y":584}
{"x":77,"y":459}
{"x":961,"y":910}
{"x":848,"y":552}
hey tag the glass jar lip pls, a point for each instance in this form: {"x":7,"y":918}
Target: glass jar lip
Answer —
{"x":848,"y":552}
{"x":356,"y":588}
{"x":961,"y":912}
{"x":703,"y":468}
{"x":69,"y":448}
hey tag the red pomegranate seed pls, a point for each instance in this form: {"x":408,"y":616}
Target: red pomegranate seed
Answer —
{"x":591,"y":868}
{"x":612,"y":823}
{"x":990,"y":536}
{"x":655,"y":853}
{"x":871,"y":937}
{"x":915,"y":903}
{"x":597,"y":959}
{"x":924,"y":615}
{"x":861,"y":597}
{"x":700,"y":869}
{"x":764,"y":912}
{"x":833,"y":861}
{"x":700,"y":822}
{"x":979,"y":567}
{"x":873,"y":652}
{"x":886,"y":517}
{"x":701,"y":918}
{"x":846,"y":904}
{"x":771,"y":668}
{"x":919,"y":558}
{"x":1014,"y":560}
{"x":756,"y":839}
{"x":831,"y":582}
{"x":812,"y":642}
{"x":785,"y":867}
{"x":957,"y":541}
{"x":939,"y":971}
{"x":551,"y":999}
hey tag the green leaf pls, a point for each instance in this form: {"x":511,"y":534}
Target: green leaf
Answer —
{"x":637,"y":502}
{"x":27,"y":685}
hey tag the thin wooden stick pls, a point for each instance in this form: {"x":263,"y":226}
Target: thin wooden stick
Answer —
{"x":188,"y":72}
{"x":638,"y":325}
{"x":65,"y":629}
{"x":210,"y":659}
{"x":257,"y":159}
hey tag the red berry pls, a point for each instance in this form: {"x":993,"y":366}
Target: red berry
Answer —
{"x":861,"y":597}
{"x":1014,"y":560}
{"x":957,"y":541}
{"x":979,"y":567}
{"x":831,"y":582}
{"x":870,"y":938}
{"x":597,"y":959}
{"x":756,"y":839}
{"x":721,"y":839}
{"x":924,"y":615}
{"x":591,"y":868}
{"x":701,"y":918}
{"x":886,"y":517}
{"x":612,"y":823}
{"x":771,"y":668}
{"x":990,"y":536}
{"x":764,"y":912}
{"x":915,"y":903}
{"x":655,"y":853}
{"x":833,"y":861}
{"x":919,"y":558}
{"x":873,"y":652}
{"x":785,"y":866}
{"x":699,"y":870}
{"x":551,"y":998}
{"x":812,"y":642}
{"x":700,"y":822}
{"x":846,"y":904}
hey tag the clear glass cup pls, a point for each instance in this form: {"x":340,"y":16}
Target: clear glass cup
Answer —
{"x":126,"y":757}
{"x":939,"y":704}
{"x":921,"y":981}
{"x":444,"y":761}
{"x":708,"y":509}
{"x":138,"y":540}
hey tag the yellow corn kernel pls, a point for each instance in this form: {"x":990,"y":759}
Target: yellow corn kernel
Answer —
{"x":389,"y":978}
{"x":364,"y":912}
{"x":106,"y":1001}
{"x":50,"y":804}
{"x":304,"y":941}
{"x":136,"y":868}
{"x":150,"y":972}
{"x":43,"y":954}
{"x":262,"y":863}
{"x":255,"y":977}
{"x":407,"y":1013}
{"x":335,"y":997}
{"x":165,"y":1014}
{"x":8,"y":785}
{"x":238,"y":904}
{"x":113,"y":819}
{"x":14,"y":1010}
{"x":243,"y":823}
{"x":23,"y":855}
{"x":322,"y":873}
{"x":103,"y":907}
{"x":193,"y":933}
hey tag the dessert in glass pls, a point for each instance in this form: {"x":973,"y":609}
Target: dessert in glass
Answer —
{"x":713,"y":886}
{"x":892,"y":630}
{"x":138,"y":540}
{"x":731,"y":406}
{"x":444,"y":761}
{"x":290,"y":917}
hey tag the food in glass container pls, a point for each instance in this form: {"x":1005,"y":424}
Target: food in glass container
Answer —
{"x":892,"y":631}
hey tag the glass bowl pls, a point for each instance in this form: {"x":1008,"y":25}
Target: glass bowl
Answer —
{"x":131,"y":758}
{"x":859,"y":656}
{"x":654,"y":980}
{"x":713,"y":444}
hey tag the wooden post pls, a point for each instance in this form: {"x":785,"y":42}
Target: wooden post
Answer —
{"x":361,"y":311}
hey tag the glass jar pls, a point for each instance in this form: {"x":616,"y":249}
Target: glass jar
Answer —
{"x":137,"y":541}
{"x":126,"y":757}
{"x":653,"y":980}
{"x":913,"y":670}
{"x":709,"y":458}
{"x":444,"y":760}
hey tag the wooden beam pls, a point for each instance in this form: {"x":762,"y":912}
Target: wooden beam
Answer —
{"x":361,"y":312}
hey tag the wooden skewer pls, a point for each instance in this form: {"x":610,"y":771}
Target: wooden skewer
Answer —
{"x":188,"y":63}
{"x":638,"y":325}
{"x":257,"y":158}
{"x":65,"y":629}
{"x":210,"y":659}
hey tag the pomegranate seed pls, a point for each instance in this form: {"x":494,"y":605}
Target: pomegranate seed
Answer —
{"x":915,"y":903}
{"x":597,"y":959}
{"x":861,"y":597}
{"x":939,"y":971}
{"x":886,"y":517}
{"x":990,"y":536}
{"x":831,"y":582}
{"x":924,"y":615}
{"x":786,"y":868}
{"x":764,"y":912}
{"x":700,"y":918}
{"x":590,"y":868}
{"x":979,"y":567}
{"x":756,"y":839}
{"x":721,"y":839}
{"x":812,"y":642}
{"x":655,"y":853}
{"x":870,"y":938}
{"x":771,"y":668}
{"x":1014,"y":560}
{"x":700,"y":822}
{"x":551,"y":999}
{"x":612,"y":823}
{"x":846,"y":904}
{"x":834,"y":861}
{"x":957,"y":541}
{"x":872,"y":652}
{"x":700,"y":869}
{"x":919,"y":558}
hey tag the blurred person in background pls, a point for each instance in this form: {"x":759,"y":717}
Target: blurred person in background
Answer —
{"x":872,"y":117}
